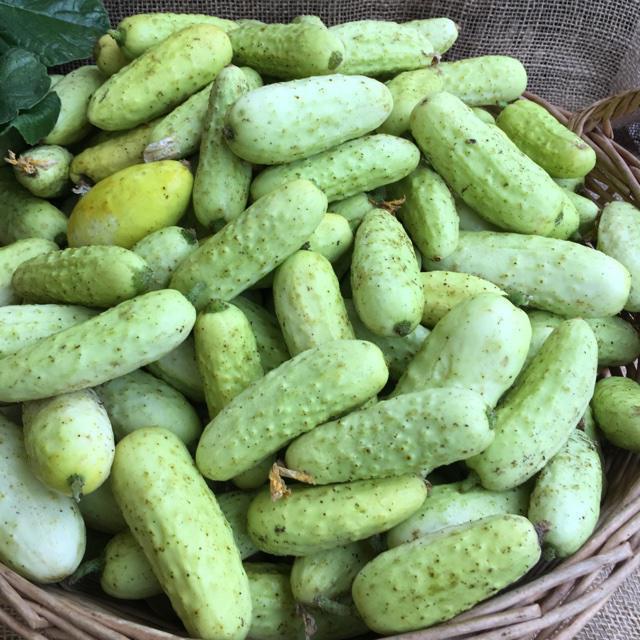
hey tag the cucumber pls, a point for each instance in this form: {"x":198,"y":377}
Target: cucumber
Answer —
{"x":176,"y":520}
{"x":587,"y":211}
{"x":332,"y":238}
{"x":256,"y":476}
{"x":536,"y":417}
{"x":569,"y":221}
{"x":101,"y":511}
{"x":104,"y":347}
{"x":572,"y":184}
{"x":108,"y":55}
{"x":314,"y":519}
{"x":94,"y":276}
{"x":588,"y":426}
{"x":235,"y":505}
{"x":345,"y":373}
{"x":484,"y":115}
{"x":411,"y":433}
{"x":614,"y":406}
{"x":441,"y":32}
{"x":353,"y":208}
{"x":288,"y":121}
{"x":44,"y":170}
{"x":470,"y":220}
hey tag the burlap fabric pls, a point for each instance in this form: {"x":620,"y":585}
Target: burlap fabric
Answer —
{"x":576,"y":52}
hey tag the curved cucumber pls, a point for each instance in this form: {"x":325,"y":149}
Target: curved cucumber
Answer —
{"x":614,"y":406}
{"x":101,"y":511}
{"x":332,"y":238}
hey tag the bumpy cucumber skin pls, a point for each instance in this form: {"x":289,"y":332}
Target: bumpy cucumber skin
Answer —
{"x":130,"y":204}
{"x":42,"y":535}
{"x":94,"y":276}
{"x":308,"y":302}
{"x":428,"y":213}
{"x":138,"y":400}
{"x":287,"y":51}
{"x":484,"y":80}
{"x":385,"y":278}
{"x":75,"y":91}
{"x":377,"y":47}
{"x":353,"y":208}
{"x":352,"y":167}
{"x":256,"y":476}
{"x":557,"y":149}
{"x":109,"y":345}
{"x":50,"y":178}
{"x":148,"y":87}
{"x":414,"y":432}
{"x":545,"y":273}
{"x":441,"y":32}
{"x":109,"y":56}
{"x":344,"y":374}
{"x":536,"y":417}
{"x":252,"y":245}
{"x":467,"y":349}
{"x":221,"y":186}
{"x":163,"y":251}
{"x":176,"y":520}
{"x":423,"y":582}
{"x":226,"y":354}
{"x":484,"y":168}
{"x":615,"y":408}
{"x":450,"y":505}
{"x":314,"y":519}
{"x":565,"y":501}
{"x":288,"y":121}
{"x":101,"y":511}
{"x":332,"y":238}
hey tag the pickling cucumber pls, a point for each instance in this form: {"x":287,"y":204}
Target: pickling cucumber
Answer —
{"x":615,"y":408}
{"x":44,"y":170}
{"x":332,"y":238}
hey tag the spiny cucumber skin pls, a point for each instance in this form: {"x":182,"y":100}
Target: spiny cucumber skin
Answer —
{"x":252,"y":245}
{"x":377,"y":47}
{"x":148,"y":87}
{"x":332,"y":238}
{"x":304,"y":392}
{"x":424,"y":582}
{"x":615,"y":408}
{"x":104,"y":347}
{"x":12,"y":256}
{"x":51,"y":176}
{"x":138,"y":400}
{"x":101,"y":511}
{"x":484,"y":168}
{"x":352,"y":167}
{"x":308,"y":302}
{"x":545,"y":273}
{"x":287,"y":51}
{"x":467,"y":349}
{"x":94,"y":276}
{"x":385,"y":277}
{"x":441,"y":32}
{"x":450,"y":505}
{"x":618,"y":237}
{"x":536,"y":417}
{"x":108,"y":55}
{"x":565,"y":501}
{"x":163,"y":251}
{"x":587,"y":211}
{"x":175,"y":518}
{"x":484,"y":80}
{"x":314,"y":519}
{"x":221,"y":186}
{"x":411,"y":433}
{"x":443,"y":290}
{"x":353,"y":209}
{"x":226,"y":354}
{"x":288,"y":121}
{"x":428,"y":213}
{"x":557,"y":149}
{"x":256,"y":476}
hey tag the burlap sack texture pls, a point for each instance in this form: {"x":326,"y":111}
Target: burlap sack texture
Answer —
{"x":575,"y":51}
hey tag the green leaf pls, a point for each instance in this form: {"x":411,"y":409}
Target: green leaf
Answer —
{"x":58,"y":31}
{"x":23,"y":82}
{"x":10,"y":139}
{"x":35,"y":123}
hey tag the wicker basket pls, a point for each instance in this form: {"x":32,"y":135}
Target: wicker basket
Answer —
{"x":554,"y":600}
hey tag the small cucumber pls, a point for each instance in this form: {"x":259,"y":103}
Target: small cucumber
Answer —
{"x":44,"y":170}
{"x":109,"y":56}
{"x":353,"y":208}
{"x":615,"y":408}
{"x":332,"y":238}
{"x":441,"y":32}
{"x":101,"y":511}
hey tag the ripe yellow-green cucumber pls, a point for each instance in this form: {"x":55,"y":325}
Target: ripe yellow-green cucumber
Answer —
{"x":557,"y":149}
{"x":332,"y":237}
{"x":484,"y":168}
{"x":345,"y":373}
{"x":175,"y":518}
{"x":424,"y":582}
{"x":108,"y":55}
{"x":148,"y":87}
{"x":545,"y":273}
{"x":308,"y":302}
{"x":42,"y":535}
{"x":565,"y":502}
{"x":615,"y":408}
{"x":314,"y":519}
{"x":44,"y":170}
{"x":535,"y":418}
{"x":441,"y":32}
{"x":101,"y":511}
{"x":221,"y":185}
{"x":246,"y":248}
{"x":385,"y":277}
{"x":104,"y":347}
{"x":69,"y":442}
{"x":94,"y":276}
{"x":353,"y":208}
{"x":351,"y":167}
{"x":467,"y":349}
{"x":287,"y":121}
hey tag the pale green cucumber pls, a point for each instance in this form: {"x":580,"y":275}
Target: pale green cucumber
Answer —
{"x":332,"y":238}
{"x":470,"y":220}
{"x":484,"y":115}
{"x":253,"y":78}
{"x":256,"y":476}
{"x":442,"y":32}
{"x":44,"y":170}
{"x":572,"y":184}
{"x":353,"y":208}
{"x":101,"y":511}
{"x":615,"y":408}
{"x":587,"y":211}
{"x":536,"y":417}
{"x":569,"y":222}
{"x":108,"y":55}
{"x":235,"y":505}
{"x":345,"y":373}
{"x":588,"y":425}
